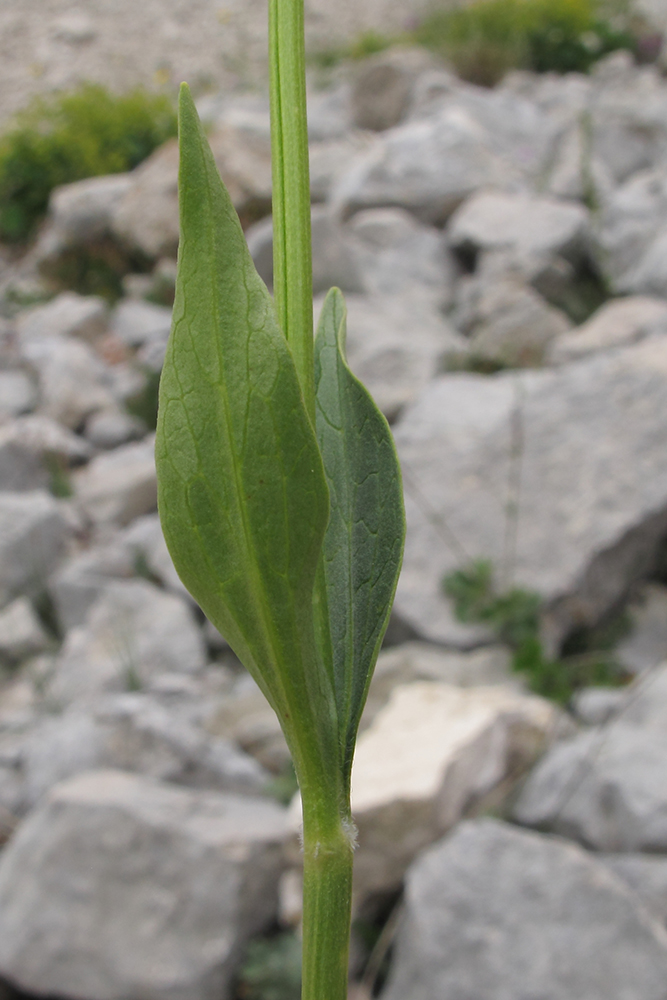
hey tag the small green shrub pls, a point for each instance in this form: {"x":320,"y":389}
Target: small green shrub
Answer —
{"x":84,"y":133}
{"x":272,"y":969}
{"x":514,"y":616}
{"x":487,"y":38}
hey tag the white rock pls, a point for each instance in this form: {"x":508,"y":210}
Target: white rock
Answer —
{"x":615,"y":324}
{"x":527,"y":224}
{"x":138,"y":323}
{"x":18,"y":393}
{"x":21,"y":632}
{"x":330,"y":159}
{"x":494,"y":912}
{"x":81,"y":213}
{"x":132,"y":633}
{"x":120,"y":886}
{"x":143,"y":538}
{"x":646,"y":645}
{"x":29,"y":444}
{"x":592,"y":497}
{"x":647,"y":875}
{"x":77,"y":584}
{"x":68,"y":315}
{"x":118,"y":486}
{"x":111,"y":428}
{"x":34,"y":533}
{"x":432,"y":753}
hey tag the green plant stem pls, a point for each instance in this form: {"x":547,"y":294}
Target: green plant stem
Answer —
{"x":327,"y":898}
{"x":292,"y":261}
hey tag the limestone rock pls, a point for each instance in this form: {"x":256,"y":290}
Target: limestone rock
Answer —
{"x":431,"y":754}
{"x":615,"y":324}
{"x":382,"y":87}
{"x":67,"y":315}
{"x":120,"y":485}
{"x":133,"y":632}
{"x":494,"y":912}
{"x":121,"y":886}
{"x":646,"y":644}
{"x":77,"y":584}
{"x":29,"y":444}
{"x":18,"y":393}
{"x":605,"y":788}
{"x":138,"y":323}
{"x":647,"y":875}
{"x":21,"y":632}
{"x":34,"y":533}
{"x":593,"y":486}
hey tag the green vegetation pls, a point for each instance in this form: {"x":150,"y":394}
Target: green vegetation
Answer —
{"x":272,"y":969}
{"x":485,"y":39}
{"x":84,"y":133}
{"x":514,"y":616}
{"x":368,"y":43}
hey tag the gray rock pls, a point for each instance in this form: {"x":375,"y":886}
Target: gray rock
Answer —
{"x":605,"y":788}
{"x":383,"y":84}
{"x":329,"y":112}
{"x":30,"y":448}
{"x":132,"y":633}
{"x":77,"y":584}
{"x":18,"y":393}
{"x":144,"y":540}
{"x":396,"y":345}
{"x":585,"y":441}
{"x":21,"y":632}
{"x":331,"y":158}
{"x":632,"y":235}
{"x":596,"y":705}
{"x":427,"y":166}
{"x":496,"y":913}
{"x":646,"y":701}
{"x":138,"y":323}
{"x":400,"y":256}
{"x":111,"y":428}
{"x":334,"y":259}
{"x":34,"y":533}
{"x":646,"y":644}
{"x":245,"y":717}
{"x":67,"y":315}
{"x":615,"y":324}
{"x":646,"y":875}
{"x":120,"y":485}
{"x":527,"y":224}
{"x":120,"y":886}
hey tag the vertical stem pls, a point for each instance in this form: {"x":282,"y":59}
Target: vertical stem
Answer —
{"x":327,"y":902}
{"x":292,"y":262}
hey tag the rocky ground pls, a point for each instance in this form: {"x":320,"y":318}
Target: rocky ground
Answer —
{"x":504,"y":257}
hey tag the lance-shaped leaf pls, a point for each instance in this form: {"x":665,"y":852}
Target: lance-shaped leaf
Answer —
{"x":363,"y":545}
{"x":242,"y":493}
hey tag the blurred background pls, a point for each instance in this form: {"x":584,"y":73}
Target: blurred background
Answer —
{"x":489,"y":190}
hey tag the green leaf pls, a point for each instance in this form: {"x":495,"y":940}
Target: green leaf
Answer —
{"x":241,"y":488}
{"x":363,"y":545}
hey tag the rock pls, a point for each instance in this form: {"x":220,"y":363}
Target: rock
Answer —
{"x":18,"y":393}
{"x":21,"y":632}
{"x":497,"y":912}
{"x":111,"y":428}
{"x":67,"y":315}
{"x":646,"y":701}
{"x":145,"y":541}
{"x":246,"y":718}
{"x":147,"y":217}
{"x":138,"y":323}
{"x":615,"y":324}
{"x":118,"y":486}
{"x":592,"y":502}
{"x":81,"y":213}
{"x":334,"y":259}
{"x":419,"y":661}
{"x":121,"y":886}
{"x":329,"y":112}
{"x":133,"y":632}
{"x":401,"y":256}
{"x":646,"y":875}
{"x":30,"y":448}
{"x":395,"y":345}
{"x":77,"y":584}
{"x":511,"y":325}
{"x":427,"y":166}
{"x":632,"y":234}
{"x":527,"y":224}
{"x":382,"y":87}
{"x":430,"y":755}
{"x":34,"y":533}
{"x":330,"y":159}
{"x":596,"y":705}
{"x":646,"y":645}
{"x":605,"y":788}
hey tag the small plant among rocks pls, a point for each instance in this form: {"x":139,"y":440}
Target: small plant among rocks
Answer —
{"x":513,"y":615}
